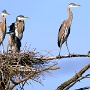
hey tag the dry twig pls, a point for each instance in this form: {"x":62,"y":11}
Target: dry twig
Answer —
{"x":20,"y":67}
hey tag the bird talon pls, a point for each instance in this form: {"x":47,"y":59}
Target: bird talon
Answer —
{"x":70,"y":54}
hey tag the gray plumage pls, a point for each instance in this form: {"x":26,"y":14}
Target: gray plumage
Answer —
{"x":16,"y":33}
{"x":19,"y":26}
{"x":14,"y":42}
{"x":3,"y":28}
{"x":64,"y":29}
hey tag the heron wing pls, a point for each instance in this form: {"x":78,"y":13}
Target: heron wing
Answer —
{"x":2,"y":36}
{"x":17,"y":41}
{"x":67,"y":33}
{"x":63,"y":33}
{"x":12,"y":27}
{"x":2,"y":32}
{"x":60,"y":34}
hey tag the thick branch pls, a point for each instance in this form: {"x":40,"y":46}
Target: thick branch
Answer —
{"x":24,"y":79}
{"x":67,"y":56}
{"x":78,"y":80}
{"x":74,"y":78}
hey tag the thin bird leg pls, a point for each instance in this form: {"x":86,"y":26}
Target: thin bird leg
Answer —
{"x":7,"y":48}
{"x":2,"y":48}
{"x":67,"y":47}
{"x":60,"y":47}
{"x":60,"y":51}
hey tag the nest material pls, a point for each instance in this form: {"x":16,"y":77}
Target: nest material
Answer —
{"x":19,"y":62}
{"x":18,"y":65}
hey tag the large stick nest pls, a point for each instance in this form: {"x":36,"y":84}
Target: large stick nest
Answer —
{"x":14,"y":66}
{"x":14,"y":63}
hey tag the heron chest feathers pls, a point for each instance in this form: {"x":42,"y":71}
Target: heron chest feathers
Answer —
{"x":3,"y":27}
{"x":20,"y":27}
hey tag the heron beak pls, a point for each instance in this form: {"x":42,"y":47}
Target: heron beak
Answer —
{"x":5,"y":14}
{"x":25,"y":18}
{"x":77,"y":5}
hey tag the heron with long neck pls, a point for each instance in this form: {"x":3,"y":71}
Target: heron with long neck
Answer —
{"x":3,"y":27}
{"x":64,"y":29}
{"x":19,"y":26}
{"x":16,"y":33}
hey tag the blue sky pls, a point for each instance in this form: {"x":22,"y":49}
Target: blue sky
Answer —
{"x":41,"y":32}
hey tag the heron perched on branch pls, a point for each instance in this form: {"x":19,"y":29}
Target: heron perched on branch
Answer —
{"x":3,"y":28}
{"x":64,"y":29}
{"x":19,"y":26}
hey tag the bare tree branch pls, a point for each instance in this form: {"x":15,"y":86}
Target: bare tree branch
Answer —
{"x":32,"y":74}
{"x":74,"y":78}
{"x":20,"y":67}
{"x":60,"y":57}
{"x":78,"y":80}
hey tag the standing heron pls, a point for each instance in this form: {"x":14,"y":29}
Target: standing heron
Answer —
{"x":3,"y":28}
{"x":64,"y":29}
{"x":14,"y":42}
{"x":16,"y":33}
{"x":19,"y":26}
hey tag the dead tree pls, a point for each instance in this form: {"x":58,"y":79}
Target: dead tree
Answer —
{"x":17,"y":68}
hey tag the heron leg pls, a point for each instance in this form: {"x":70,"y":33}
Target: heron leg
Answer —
{"x":60,"y":51}
{"x":60,"y":48}
{"x":7,"y":48}
{"x":67,"y":47}
{"x":2,"y":48}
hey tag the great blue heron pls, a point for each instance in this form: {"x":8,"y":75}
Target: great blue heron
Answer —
{"x":19,"y":26}
{"x":64,"y":29}
{"x":14,"y":42}
{"x":3,"y":28}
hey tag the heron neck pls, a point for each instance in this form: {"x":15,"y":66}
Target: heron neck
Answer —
{"x":3,"y":20}
{"x":70,"y":15}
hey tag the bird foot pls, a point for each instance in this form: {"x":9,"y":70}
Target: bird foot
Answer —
{"x":70,"y":54}
{"x":59,"y":55}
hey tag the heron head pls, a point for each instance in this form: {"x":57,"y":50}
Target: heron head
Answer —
{"x":4,"y":13}
{"x":22,"y":18}
{"x":73,"y":5}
